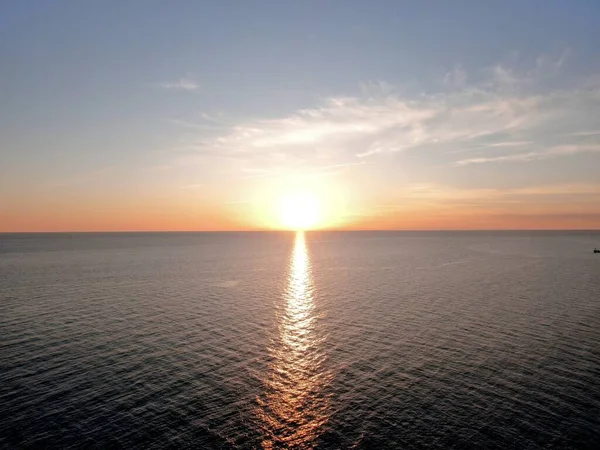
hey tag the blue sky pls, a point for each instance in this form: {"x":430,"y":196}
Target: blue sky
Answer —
{"x":417,"y":114}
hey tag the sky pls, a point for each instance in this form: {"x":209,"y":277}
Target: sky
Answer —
{"x":216,"y":115}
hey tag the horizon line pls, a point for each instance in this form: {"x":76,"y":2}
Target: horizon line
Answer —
{"x":432,"y":230}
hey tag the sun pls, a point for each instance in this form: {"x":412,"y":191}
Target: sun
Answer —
{"x":299,"y":203}
{"x":300,"y":211}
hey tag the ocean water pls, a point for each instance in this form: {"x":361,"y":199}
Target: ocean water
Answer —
{"x":319,"y":340}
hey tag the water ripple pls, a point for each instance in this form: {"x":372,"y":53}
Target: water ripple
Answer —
{"x":337,"y":340}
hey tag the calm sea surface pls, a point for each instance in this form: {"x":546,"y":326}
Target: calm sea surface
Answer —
{"x":324,"y":340}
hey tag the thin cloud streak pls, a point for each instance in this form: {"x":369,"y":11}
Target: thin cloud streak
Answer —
{"x":303,"y":171}
{"x":182,"y":84}
{"x":532,"y":156}
{"x":509,"y":144}
{"x":420,"y":191}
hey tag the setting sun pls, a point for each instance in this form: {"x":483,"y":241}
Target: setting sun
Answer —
{"x":300,"y":212}
{"x":299,"y":201}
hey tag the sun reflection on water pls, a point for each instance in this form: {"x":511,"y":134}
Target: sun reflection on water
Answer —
{"x":294,"y":407}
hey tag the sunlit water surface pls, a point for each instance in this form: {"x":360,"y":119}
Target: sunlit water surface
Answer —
{"x":323,"y":340}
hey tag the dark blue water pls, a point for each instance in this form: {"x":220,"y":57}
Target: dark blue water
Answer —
{"x":271,"y":340}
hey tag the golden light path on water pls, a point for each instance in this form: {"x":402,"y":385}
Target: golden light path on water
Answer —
{"x":294,"y":407}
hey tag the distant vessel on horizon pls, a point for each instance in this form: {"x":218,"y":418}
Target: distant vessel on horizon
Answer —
{"x":596,"y":250}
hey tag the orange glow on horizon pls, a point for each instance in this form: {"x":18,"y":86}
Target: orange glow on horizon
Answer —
{"x":303,"y":205}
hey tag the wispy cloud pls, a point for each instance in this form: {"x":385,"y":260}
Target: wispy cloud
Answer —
{"x":585,"y":133}
{"x":313,"y":170}
{"x":506,"y":111}
{"x":502,"y":144}
{"x":189,"y":83}
{"x":509,"y":144}
{"x":457,"y":77}
{"x":566,"y":196}
{"x":431,"y":205}
{"x":420,"y":191}
{"x":182,"y":84}
{"x":531,"y":156}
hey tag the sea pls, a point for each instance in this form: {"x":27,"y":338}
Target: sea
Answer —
{"x":325,"y":340}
